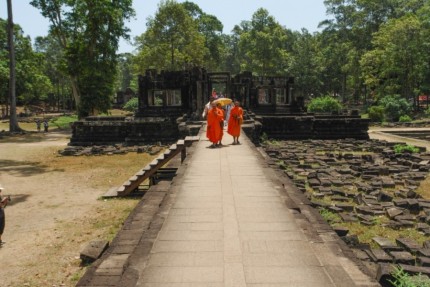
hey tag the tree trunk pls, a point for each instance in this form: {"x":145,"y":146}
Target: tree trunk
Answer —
{"x":13,"y":122}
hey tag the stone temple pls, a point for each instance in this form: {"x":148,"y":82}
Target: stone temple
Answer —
{"x":171,"y":103}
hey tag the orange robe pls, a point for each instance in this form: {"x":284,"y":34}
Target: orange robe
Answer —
{"x":213,"y":132}
{"x":221,"y":124}
{"x":235,"y":121}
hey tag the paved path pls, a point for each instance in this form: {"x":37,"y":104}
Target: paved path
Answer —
{"x":230,"y":225}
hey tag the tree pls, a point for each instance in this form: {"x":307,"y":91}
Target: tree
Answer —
{"x":399,"y":61}
{"x":32,"y":84}
{"x":13,"y":122}
{"x":306,"y":64}
{"x":89,"y":33}
{"x":263,"y":46}
{"x":54,"y":67}
{"x":211,"y":28}
{"x":171,"y":40}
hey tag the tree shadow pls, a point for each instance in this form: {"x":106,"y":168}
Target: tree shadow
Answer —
{"x":33,"y":137}
{"x":17,"y":198}
{"x":24,"y":168}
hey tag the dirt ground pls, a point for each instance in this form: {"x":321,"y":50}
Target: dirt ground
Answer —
{"x":56,"y":207}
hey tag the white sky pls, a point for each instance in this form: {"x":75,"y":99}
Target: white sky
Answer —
{"x":293,"y":14}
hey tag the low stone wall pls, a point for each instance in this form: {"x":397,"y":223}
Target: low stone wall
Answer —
{"x":300,"y":127}
{"x":107,"y":131}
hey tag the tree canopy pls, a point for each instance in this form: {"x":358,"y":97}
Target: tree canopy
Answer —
{"x":366,"y":50}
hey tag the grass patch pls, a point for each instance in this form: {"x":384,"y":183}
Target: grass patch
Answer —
{"x":330,"y":216}
{"x":63,"y":122}
{"x":366,"y":233}
{"x":403,"y":279}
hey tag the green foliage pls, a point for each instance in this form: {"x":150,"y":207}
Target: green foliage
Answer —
{"x":132,"y":105}
{"x":401,"y":148}
{"x":403,"y":279}
{"x":405,"y":119}
{"x":63,"y":122}
{"x":172,"y":40}
{"x":325,"y":104}
{"x":89,"y":34}
{"x":262,"y":46}
{"x":264,"y":137}
{"x":376,"y":113}
{"x":395,"y":106}
{"x":32,"y":84}
{"x":329,"y":216}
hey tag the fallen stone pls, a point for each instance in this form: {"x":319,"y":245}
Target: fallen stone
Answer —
{"x":379,"y":255}
{"x":403,"y":257}
{"x":341,"y":231}
{"x":386,"y":244}
{"x":409,"y":244}
{"x":384,"y":274}
{"x":93,"y":250}
{"x":393,"y":212}
{"x":423,"y":261}
{"x":348,"y":217}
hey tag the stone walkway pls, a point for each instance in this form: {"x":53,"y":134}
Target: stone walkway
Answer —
{"x":230,"y":226}
{"x":231,"y":220}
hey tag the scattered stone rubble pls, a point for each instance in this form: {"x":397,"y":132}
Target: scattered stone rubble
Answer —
{"x":111,"y":149}
{"x":365,"y":181}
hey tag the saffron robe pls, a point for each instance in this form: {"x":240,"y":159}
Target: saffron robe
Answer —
{"x":214,"y":130}
{"x":235,"y":121}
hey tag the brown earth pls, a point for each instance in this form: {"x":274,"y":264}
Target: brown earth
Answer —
{"x":56,"y":207}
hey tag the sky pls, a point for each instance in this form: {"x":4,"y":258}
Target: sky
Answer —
{"x":292,"y":14}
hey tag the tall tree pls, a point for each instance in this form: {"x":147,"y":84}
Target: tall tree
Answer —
{"x":89,"y":32}
{"x":306,"y":64}
{"x":171,"y":40}
{"x":400,"y":59}
{"x":211,"y":28}
{"x":13,"y":122}
{"x":263,"y":46}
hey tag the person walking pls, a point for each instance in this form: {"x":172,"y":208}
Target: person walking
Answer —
{"x":45,"y":125}
{"x":3,"y":202}
{"x":221,"y":123}
{"x":38,"y":125}
{"x":235,"y":122}
{"x":213,"y":130}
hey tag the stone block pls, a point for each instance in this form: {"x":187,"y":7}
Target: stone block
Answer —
{"x":403,"y":257}
{"x":423,"y":261}
{"x":93,"y":250}
{"x":409,"y":244}
{"x":379,"y":255}
{"x":393,"y":212}
{"x":386,"y":244}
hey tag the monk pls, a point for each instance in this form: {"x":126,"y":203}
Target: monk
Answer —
{"x":213,"y":132}
{"x":221,"y":124}
{"x":235,"y":122}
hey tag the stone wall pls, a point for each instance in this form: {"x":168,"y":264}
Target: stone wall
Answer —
{"x":298,"y":127}
{"x":130,"y":131}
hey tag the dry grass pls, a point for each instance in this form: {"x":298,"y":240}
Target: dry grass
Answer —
{"x":55,"y":258}
{"x":59,"y":264}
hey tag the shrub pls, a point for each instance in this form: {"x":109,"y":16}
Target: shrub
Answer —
{"x":405,"y":118}
{"x":131,"y":105}
{"x":403,"y":279}
{"x":395,"y":106}
{"x":325,"y":104}
{"x":376,"y":114}
{"x":401,"y":148}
